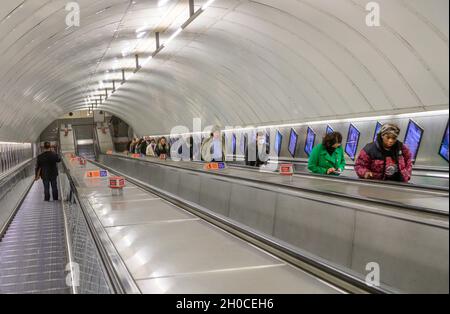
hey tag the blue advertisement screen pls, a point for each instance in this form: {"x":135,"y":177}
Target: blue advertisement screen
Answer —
{"x":310,"y":139}
{"x":413,"y":138}
{"x":233,"y":144}
{"x":293,"y":142}
{"x":444,"y":146}
{"x":278,"y":140}
{"x":352,"y":141}
{"x":377,"y":130}
{"x":329,"y":129}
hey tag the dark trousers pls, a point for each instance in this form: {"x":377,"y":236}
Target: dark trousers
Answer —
{"x":54,"y":185}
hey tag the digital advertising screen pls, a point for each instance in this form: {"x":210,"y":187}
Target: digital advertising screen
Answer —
{"x":413,"y":138}
{"x":443,"y":151}
{"x":329,"y":129}
{"x":233,"y":144}
{"x":377,"y":130}
{"x":310,"y":139}
{"x":278,"y":141}
{"x":351,"y":146}
{"x":293,"y":138}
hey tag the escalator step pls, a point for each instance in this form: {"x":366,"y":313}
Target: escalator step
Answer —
{"x":33,"y":254}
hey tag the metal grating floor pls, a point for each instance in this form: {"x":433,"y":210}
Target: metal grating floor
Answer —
{"x":33,"y":252}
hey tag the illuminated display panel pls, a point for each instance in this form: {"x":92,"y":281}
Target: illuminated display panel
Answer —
{"x":278,"y":141}
{"x":293,"y":138}
{"x":329,"y":129}
{"x":377,"y":130}
{"x":413,"y":138}
{"x":310,"y":139}
{"x":351,"y":146}
{"x":233,"y":144}
{"x":443,"y":151}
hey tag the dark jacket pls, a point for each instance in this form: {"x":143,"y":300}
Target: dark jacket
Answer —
{"x":373,"y":159}
{"x":143,"y":148}
{"x":47,"y":163}
{"x":162,"y":149}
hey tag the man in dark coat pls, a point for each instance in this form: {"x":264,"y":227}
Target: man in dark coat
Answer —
{"x":47,"y":169}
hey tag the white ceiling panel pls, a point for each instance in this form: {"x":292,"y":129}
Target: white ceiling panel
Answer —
{"x":241,"y":62}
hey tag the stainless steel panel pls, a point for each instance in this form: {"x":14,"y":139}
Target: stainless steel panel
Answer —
{"x":412,"y":257}
{"x":94,"y":192}
{"x":154,"y":174}
{"x":189,"y":187}
{"x":141,"y":171}
{"x":121,"y":198}
{"x":258,"y":280}
{"x":169,"y":249}
{"x":215,"y":195}
{"x":321,"y":229}
{"x":171,"y":180}
{"x":138,"y":212}
{"x":253,"y":207}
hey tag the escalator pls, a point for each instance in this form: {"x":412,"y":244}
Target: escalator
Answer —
{"x":47,"y":247}
{"x":84,"y":141}
{"x":33,"y":252}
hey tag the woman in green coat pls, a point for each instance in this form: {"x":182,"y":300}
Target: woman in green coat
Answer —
{"x":328,"y":157}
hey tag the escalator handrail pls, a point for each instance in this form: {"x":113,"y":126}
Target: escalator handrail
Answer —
{"x":295,"y":188}
{"x":11,"y":174}
{"x":16,"y":169}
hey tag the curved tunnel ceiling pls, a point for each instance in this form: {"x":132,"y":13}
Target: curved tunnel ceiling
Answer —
{"x":241,"y":62}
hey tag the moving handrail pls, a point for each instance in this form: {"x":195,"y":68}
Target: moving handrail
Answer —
{"x":345,"y":178}
{"x":11,"y":172}
{"x":195,"y":167}
{"x":4,"y":179}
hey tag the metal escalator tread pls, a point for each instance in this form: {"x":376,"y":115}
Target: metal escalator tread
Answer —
{"x":33,"y":252}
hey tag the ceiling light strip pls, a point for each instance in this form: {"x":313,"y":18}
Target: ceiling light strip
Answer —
{"x":172,"y":37}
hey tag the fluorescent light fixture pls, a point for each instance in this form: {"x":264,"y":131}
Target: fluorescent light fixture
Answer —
{"x":173,"y":36}
{"x":147,"y":60}
{"x":162,"y":2}
{"x":140,"y":35}
{"x":346,"y":120}
{"x":207,"y":4}
{"x":291,"y":125}
{"x":142,"y":31}
{"x":13,"y":143}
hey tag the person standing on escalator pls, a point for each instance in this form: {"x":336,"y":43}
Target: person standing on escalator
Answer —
{"x":328,"y":157}
{"x":386,"y":158}
{"x":47,"y":170}
{"x":162,"y":150}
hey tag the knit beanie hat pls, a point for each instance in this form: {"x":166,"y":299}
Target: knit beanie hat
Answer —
{"x":390,"y":129}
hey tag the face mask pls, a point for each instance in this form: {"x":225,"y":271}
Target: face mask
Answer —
{"x":261,"y":141}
